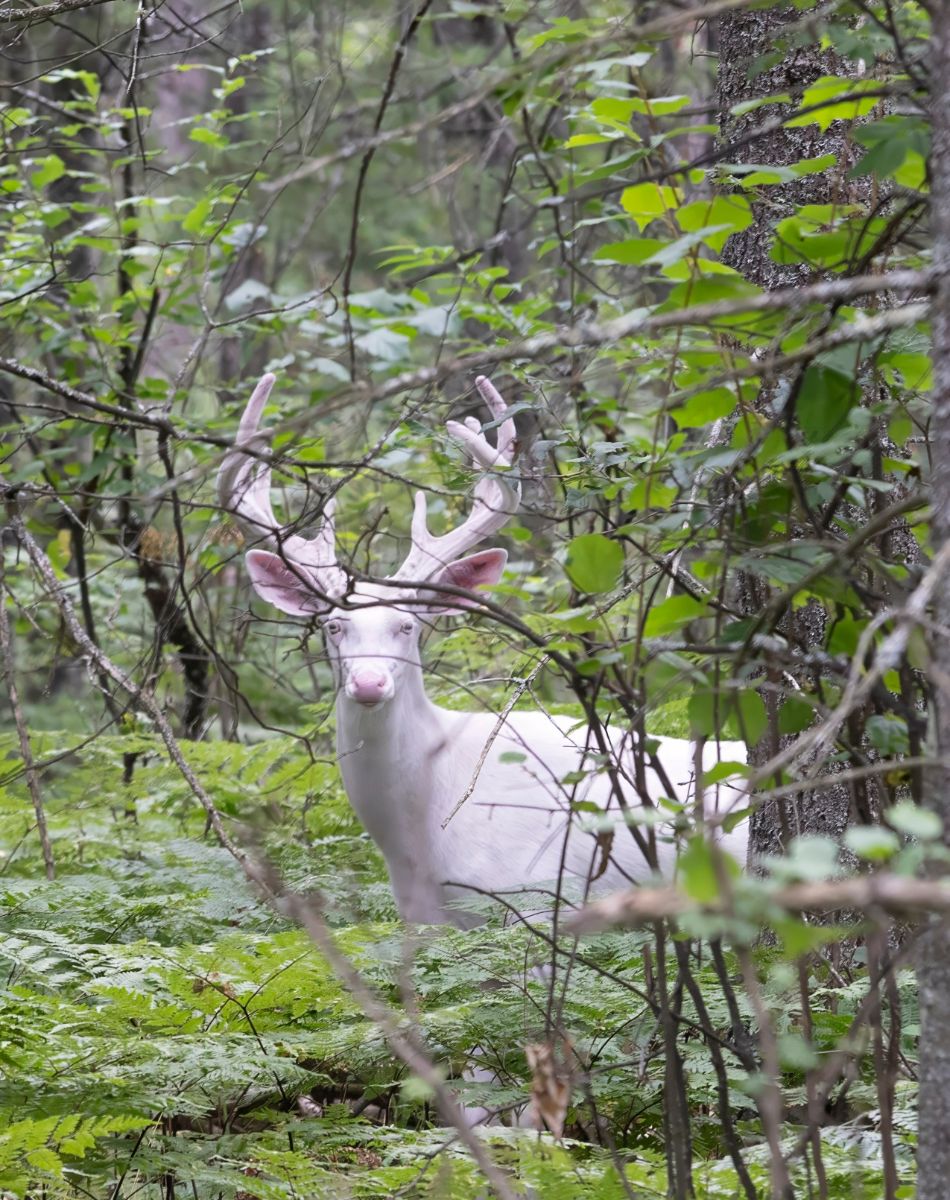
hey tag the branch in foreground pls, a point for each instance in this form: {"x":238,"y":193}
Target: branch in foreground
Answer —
{"x":26,"y":750}
{"x":304,"y":910}
{"x":17,"y":15}
{"x":638,"y":322}
{"x":141,"y":696}
{"x":861,"y":680}
{"x":361,"y":146}
{"x":894,"y":894}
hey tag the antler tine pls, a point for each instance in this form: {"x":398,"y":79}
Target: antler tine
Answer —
{"x":496,"y":497}
{"x":244,"y":485}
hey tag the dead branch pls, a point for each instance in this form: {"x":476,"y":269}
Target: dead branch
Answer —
{"x":26,"y":750}
{"x":591,"y":333}
{"x":305,"y":910}
{"x":16,"y":15}
{"x":888,"y":893}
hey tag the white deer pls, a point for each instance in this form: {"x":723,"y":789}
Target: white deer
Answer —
{"x":406,"y":763}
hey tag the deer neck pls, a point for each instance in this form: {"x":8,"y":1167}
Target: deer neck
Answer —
{"x":394,"y":760}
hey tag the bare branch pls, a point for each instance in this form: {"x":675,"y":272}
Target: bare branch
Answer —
{"x":818,"y":740}
{"x":591,"y":333}
{"x":352,"y":149}
{"x":43,"y":12}
{"x":141,"y":696}
{"x":894,"y":894}
{"x":26,"y":750}
{"x":306,"y":911}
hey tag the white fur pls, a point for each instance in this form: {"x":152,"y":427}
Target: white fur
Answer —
{"x":406,"y":764}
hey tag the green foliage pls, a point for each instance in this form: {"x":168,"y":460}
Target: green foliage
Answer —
{"x":701,"y":466}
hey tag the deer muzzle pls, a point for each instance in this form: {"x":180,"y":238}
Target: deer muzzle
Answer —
{"x":370,"y":686}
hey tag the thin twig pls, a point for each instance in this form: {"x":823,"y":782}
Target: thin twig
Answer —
{"x":398,"y":57}
{"x":817,"y":740}
{"x":299,"y":908}
{"x":519,"y":691}
{"x":365,"y":145}
{"x":26,"y":750}
{"x":141,"y":695}
{"x":43,"y":12}
{"x":307,"y":912}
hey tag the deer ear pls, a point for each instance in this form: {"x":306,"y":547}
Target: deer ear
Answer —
{"x":483,"y":569}
{"x":275,"y":582}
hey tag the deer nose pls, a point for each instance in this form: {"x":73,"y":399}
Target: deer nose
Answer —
{"x":369,"y":685}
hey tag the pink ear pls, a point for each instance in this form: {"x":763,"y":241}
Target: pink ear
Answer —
{"x":276,"y":583}
{"x":477,"y":570}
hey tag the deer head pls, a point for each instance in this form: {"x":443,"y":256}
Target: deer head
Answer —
{"x":372,"y":628}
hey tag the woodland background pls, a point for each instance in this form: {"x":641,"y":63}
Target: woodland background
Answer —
{"x":695,"y":248}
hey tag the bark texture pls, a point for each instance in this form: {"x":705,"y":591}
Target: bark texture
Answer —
{"x":933,"y":970}
{"x":749,"y":40}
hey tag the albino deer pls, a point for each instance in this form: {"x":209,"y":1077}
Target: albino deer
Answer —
{"x":407,"y":763}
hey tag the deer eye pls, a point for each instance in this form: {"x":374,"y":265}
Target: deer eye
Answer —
{"x":334,"y":628}
{"x":407,"y":627}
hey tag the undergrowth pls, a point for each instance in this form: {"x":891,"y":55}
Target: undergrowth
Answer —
{"x":165,"y":1029}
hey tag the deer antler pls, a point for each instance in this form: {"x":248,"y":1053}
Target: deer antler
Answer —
{"x":244,"y":482}
{"x":496,"y":499}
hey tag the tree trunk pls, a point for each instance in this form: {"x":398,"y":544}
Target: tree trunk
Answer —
{"x":933,"y":971}
{"x":747,"y":38}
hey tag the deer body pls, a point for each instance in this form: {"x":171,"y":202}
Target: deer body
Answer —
{"x":458,"y":805}
{"x":404,"y":777}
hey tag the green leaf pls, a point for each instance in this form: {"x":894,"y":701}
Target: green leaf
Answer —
{"x":809,"y":857}
{"x":659,"y":106}
{"x":799,"y":937}
{"x":671,"y":614}
{"x":566,"y":30}
{"x":704,"y":408}
{"x":795,"y":714}
{"x":719,"y":217}
{"x":825,"y":399}
{"x":44,"y":1159}
{"x":676,"y":250}
{"x":755,"y":175}
{"x":647,"y":201}
{"x":845,"y":636}
{"x":88,"y":79}
{"x":193,"y":221}
{"x":916,"y":822}
{"x":872,"y":842}
{"x":888,"y":735}
{"x":416,"y":1090}
{"x":825,"y":91}
{"x":697,"y":871}
{"x":612,"y":108}
{"x":795,"y":1053}
{"x":751,"y":715}
{"x":49,"y":169}
{"x":725,"y":770}
{"x":209,"y":137}
{"x":882,"y":160}
{"x":586,"y":139}
{"x":594,"y":562}
{"x":747,"y":106}
{"x":632,"y":252}
{"x":706,"y":291}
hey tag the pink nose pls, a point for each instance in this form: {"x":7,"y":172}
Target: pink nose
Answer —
{"x":368,"y":686}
